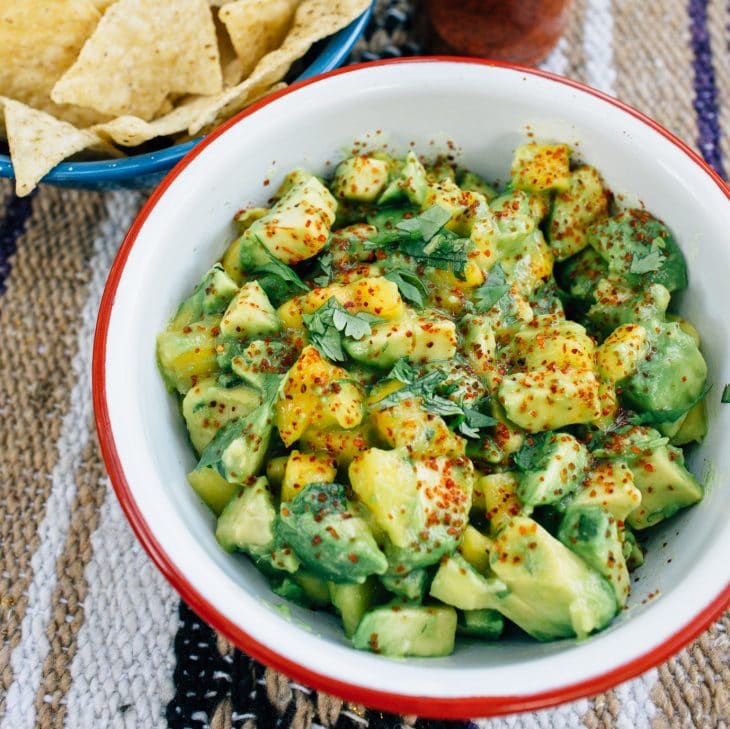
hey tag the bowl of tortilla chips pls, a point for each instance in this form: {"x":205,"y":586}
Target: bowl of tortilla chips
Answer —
{"x":109,"y":94}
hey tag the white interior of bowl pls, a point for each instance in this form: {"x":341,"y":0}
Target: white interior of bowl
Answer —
{"x":485,"y":111}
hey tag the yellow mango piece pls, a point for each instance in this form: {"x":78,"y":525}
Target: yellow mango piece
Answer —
{"x":343,"y":445}
{"x":377,"y":296}
{"x":621,"y":352}
{"x":538,"y":167}
{"x":319,"y":394}
{"x":500,"y":498}
{"x":303,"y":469}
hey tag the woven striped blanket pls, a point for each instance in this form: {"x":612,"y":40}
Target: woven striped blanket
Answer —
{"x":92,"y":635}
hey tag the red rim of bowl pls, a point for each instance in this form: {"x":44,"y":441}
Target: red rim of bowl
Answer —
{"x":451,"y":708}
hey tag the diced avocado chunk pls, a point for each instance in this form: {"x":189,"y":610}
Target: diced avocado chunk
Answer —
{"x":457,"y":583}
{"x":247,"y":522}
{"x":410,"y":586}
{"x":639,"y":248}
{"x":581,"y":274}
{"x":188,"y":354}
{"x":484,"y":624}
{"x":250,"y":313}
{"x":592,"y":533}
{"x":511,"y":312}
{"x":616,"y":304}
{"x":666,"y":486}
{"x":360,"y":178}
{"x":212,"y":488}
{"x":471,"y":182}
{"x":238,"y":449}
{"x":544,"y":399}
{"x":694,"y":426}
{"x":670,"y":379}
{"x":632,"y":550}
{"x":207,"y":407}
{"x":610,"y":485}
{"x":410,"y":183}
{"x":254,"y":361}
{"x":475,"y":546}
{"x":407,"y":630}
{"x":353,"y":601}
{"x":385,"y":345}
{"x":316,"y":590}
{"x":434,"y":337}
{"x":551,"y":466}
{"x":211,"y":296}
{"x":538,"y":167}
{"x":422,"y":503}
{"x":479,"y":343}
{"x":514,"y":219}
{"x":573,"y":210}
{"x":327,"y":537}
{"x":298,"y":225}
{"x":553,"y":593}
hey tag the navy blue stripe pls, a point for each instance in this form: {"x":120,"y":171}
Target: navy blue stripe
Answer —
{"x":705,"y":101}
{"x":11,"y":228}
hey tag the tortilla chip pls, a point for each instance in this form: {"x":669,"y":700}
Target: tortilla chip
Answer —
{"x":313,"y":20}
{"x":102,"y":5}
{"x":39,"y":41}
{"x":38,"y":142}
{"x":230,"y":63}
{"x":141,"y":51}
{"x":129,"y":131}
{"x":256,"y":27}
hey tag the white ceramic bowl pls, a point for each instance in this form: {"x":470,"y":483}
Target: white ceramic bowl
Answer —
{"x":486,"y":110}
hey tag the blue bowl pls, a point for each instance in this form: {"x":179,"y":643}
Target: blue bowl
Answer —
{"x":146,"y":170}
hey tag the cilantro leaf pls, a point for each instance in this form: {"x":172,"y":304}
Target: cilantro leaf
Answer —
{"x":325,"y":263}
{"x":468,"y":420}
{"x":492,"y":290}
{"x":651,"y":262}
{"x":531,"y":455}
{"x":725,"y":395}
{"x":411,"y":288}
{"x":285,"y":273}
{"x":427,"y":224}
{"x":330,"y":322}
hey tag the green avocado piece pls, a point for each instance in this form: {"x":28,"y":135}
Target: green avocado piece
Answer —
{"x":238,"y":449}
{"x":592,"y":533}
{"x":207,"y":407}
{"x":402,"y":629}
{"x":670,"y":379}
{"x":187,"y":355}
{"x":580,"y":274}
{"x":439,"y":514}
{"x":256,"y":360}
{"x":514,"y":218}
{"x":385,"y":345}
{"x":633,"y":553}
{"x":457,"y":583}
{"x":410,"y":183}
{"x":484,"y":624}
{"x":615,"y":304}
{"x":247,"y":521}
{"x":638,"y":248}
{"x":553,"y":592}
{"x":250,"y":313}
{"x":471,"y":182}
{"x":552,"y":466}
{"x":666,"y":486}
{"x":694,"y":426}
{"x":574,"y":210}
{"x":327,"y":537}
{"x":352,"y":601}
{"x":211,"y":296}
{"x":409,"y":586}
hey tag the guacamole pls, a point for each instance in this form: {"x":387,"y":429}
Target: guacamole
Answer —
{"x":437,"y":408}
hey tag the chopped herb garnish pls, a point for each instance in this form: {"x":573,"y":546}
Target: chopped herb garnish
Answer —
{"x":411,"y":288}
{"x":725,"y":395}
{"x":492,"y":290}
{"x":652,"y":261}
{"x":468,"y":420}
{"x":325,"y":263}
{"x":331,"y":322}
{"x":285,"y":273}
{"x":424,"y":238}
